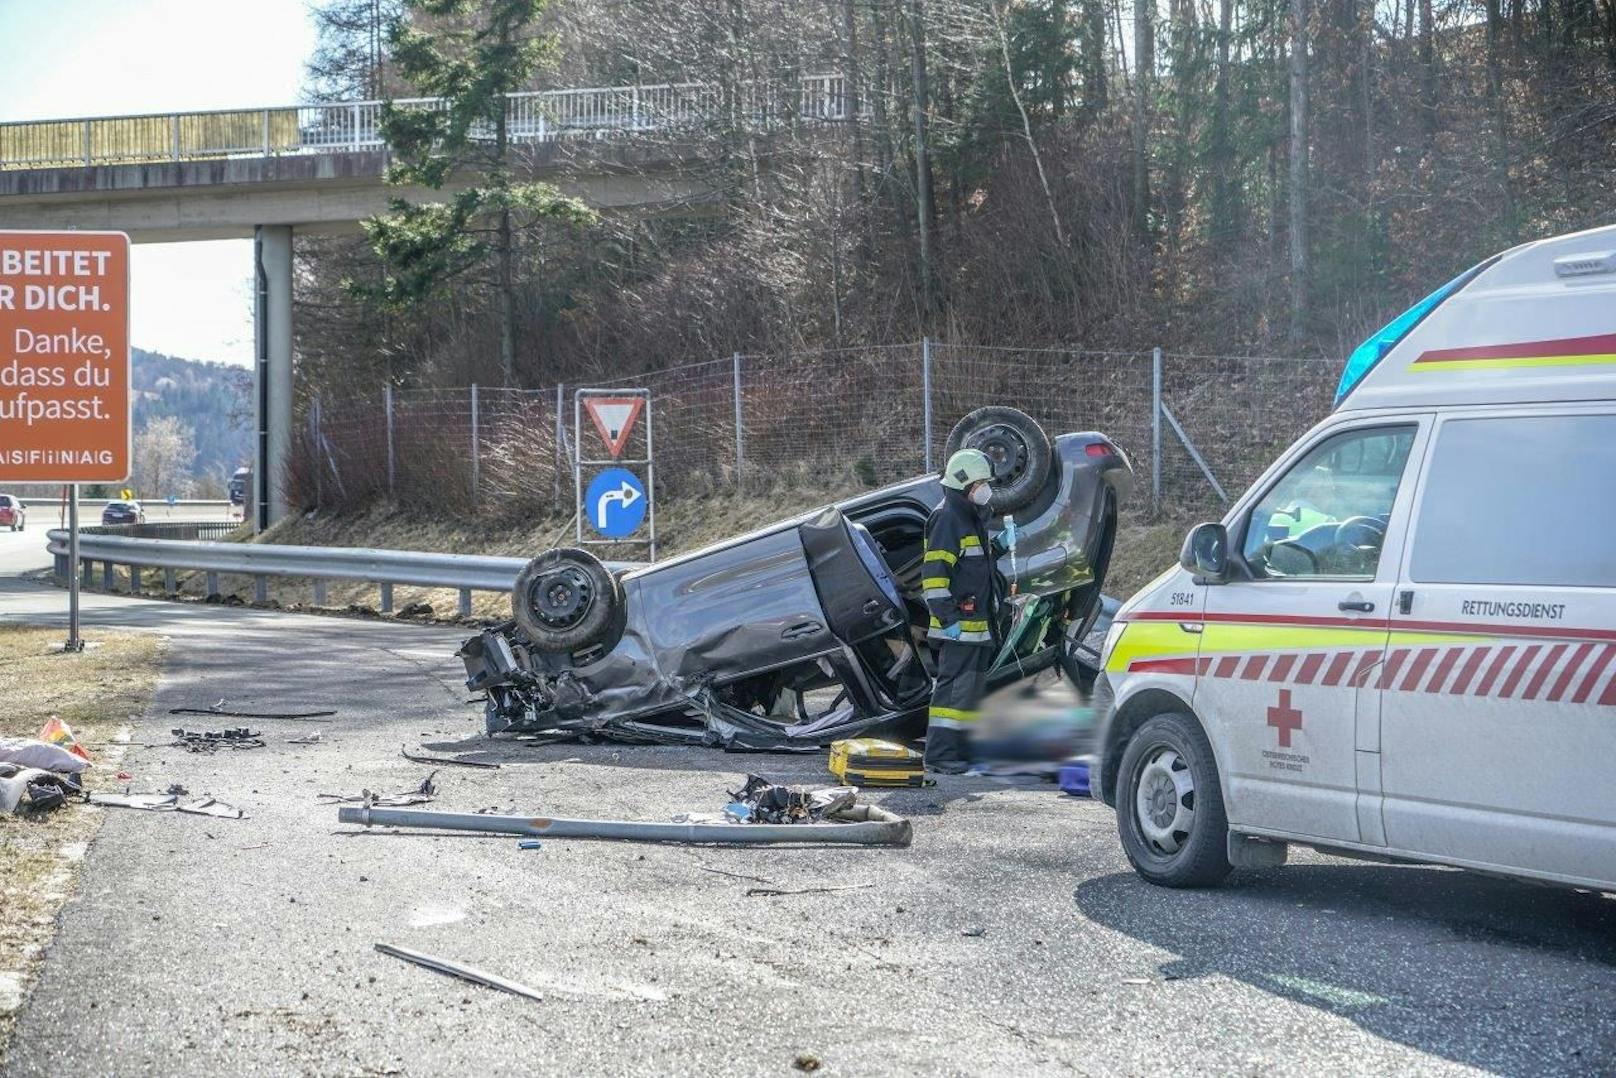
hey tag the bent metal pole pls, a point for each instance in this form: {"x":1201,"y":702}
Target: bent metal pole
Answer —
{"x":875,"y":827}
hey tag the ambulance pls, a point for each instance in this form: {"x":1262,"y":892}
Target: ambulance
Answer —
{"x":1400,"y":643}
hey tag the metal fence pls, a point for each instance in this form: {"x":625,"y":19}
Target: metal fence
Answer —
{"x":1197,"y":428}
{"x":348,"y":126}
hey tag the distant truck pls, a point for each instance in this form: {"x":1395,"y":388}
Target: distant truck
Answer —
{"x":240,"y":483}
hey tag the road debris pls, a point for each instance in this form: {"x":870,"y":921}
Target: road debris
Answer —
{"x":306,"y":739}
{"x":218,"y":710}
{"x":771,"y":892}
{"x":975,"y":932}
{"x":34,"y":789}
{"x":457,"y":761}
{"x":34,"y":752}
{"x":530,"y":844}
{"x":205,"y":805}
{"x":208,"y":741}
{"x":422,"y":794}
{"x":457,"y":969}
{"x":60,"y":734}
{"x":736,"y":875}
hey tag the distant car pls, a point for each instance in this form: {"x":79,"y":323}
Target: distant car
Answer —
{"x":123,"y":513}
{"x":13,"y":513}
{"x":811,"y":629}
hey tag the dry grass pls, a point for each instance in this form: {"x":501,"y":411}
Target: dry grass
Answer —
{"x":96,"y":693}
{"x":1143,"y":550}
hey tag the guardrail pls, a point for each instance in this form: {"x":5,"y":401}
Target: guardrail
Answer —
{"x":167,"y":529}
{"x":463,"y":572}
{"x":348,"y":126}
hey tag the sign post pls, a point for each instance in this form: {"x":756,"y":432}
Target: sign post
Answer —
{"x":614,"y":502}
{"x":64,"y":369}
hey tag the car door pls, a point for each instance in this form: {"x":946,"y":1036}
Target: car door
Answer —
{"x":1291,"y":647}
{"x":1499,"y":752}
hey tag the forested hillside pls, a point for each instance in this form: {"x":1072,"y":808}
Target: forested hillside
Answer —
{"x":1242,"y":176}
{"x":211,"y":400}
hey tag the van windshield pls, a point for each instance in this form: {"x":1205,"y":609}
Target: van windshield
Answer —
{"x":1367,"y":355}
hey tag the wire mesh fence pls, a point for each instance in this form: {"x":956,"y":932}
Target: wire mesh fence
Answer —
{"x":1198,"y":429}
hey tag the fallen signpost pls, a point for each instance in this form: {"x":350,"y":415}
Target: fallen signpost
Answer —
{"x":862,"y":825}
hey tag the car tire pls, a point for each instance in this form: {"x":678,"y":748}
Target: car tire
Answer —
{"x":1018,"y":447}
{"x":565,"y":599}
{"x":1170,"y":807}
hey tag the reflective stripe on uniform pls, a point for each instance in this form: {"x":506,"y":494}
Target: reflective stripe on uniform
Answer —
{"x":936,"y":593}
{"x":940,"y":555}
{"x":952,"y":718}
{"x":968,"y":541}
{"x":966,"y":636}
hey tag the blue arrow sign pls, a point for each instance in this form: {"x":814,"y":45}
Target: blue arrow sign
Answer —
{"x":616,"y":503}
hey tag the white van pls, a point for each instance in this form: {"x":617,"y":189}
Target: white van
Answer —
{"x":1400,"y":643}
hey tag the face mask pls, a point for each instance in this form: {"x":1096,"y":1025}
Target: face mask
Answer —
{"x":981,"y":494}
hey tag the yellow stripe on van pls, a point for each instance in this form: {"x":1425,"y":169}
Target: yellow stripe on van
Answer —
{"x":1596,"y":359}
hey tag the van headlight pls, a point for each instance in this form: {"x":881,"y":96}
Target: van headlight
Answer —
{"x":1112,"y":635}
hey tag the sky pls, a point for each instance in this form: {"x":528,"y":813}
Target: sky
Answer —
{"x":73,"y":58}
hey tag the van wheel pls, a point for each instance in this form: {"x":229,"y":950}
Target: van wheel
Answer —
{"x":1170,"y":807}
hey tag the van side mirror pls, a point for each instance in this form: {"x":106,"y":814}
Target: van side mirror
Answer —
{"x":1206,"y":552}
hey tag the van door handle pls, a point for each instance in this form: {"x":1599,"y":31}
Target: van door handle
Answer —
{"x":800,"y":630}
{"x":1363,"y":606}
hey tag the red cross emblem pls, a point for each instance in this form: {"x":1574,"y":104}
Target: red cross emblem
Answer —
{"x":1284,"y":718}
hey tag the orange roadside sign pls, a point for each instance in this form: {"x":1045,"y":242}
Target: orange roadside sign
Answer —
{"x":64,"y":357}
{"x":614,"y":418}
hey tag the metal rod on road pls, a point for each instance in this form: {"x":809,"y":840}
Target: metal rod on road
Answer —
{"x":880,"y":828}
{"x":74,"y":643}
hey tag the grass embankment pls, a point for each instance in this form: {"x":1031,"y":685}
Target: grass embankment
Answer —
{"x":95,"y":692}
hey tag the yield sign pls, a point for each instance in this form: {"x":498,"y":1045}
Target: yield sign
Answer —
{"x":614,"y":418}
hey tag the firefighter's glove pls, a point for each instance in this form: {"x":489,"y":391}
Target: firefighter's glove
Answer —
{"x":952,"y":632}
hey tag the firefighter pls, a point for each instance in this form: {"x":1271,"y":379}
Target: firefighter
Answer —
{"x":958,"y":585}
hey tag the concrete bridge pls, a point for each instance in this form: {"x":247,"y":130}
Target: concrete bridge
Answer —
{"x":267,"y":173}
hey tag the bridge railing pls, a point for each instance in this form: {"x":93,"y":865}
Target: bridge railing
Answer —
{"x":348,"y":126}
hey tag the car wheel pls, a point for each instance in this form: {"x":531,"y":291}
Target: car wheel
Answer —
{"x":1170,"y":807}
{"x":565,"y":599}
{"x":1016,"y":445}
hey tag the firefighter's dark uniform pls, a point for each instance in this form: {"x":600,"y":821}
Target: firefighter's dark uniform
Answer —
{"x":957,"y":580}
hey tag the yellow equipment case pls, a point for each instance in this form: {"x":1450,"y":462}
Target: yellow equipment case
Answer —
{"x":869,"y":761}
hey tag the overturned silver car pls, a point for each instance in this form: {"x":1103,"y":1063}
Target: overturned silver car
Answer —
{"x":811,"y":629}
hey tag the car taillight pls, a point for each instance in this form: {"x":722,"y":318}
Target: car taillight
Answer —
{"x":1099,"y":449}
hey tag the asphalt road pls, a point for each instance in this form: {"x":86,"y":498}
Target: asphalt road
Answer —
{"x":1010,"y":938}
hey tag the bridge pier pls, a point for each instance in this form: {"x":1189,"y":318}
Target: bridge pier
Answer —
{"x":272,"y":382}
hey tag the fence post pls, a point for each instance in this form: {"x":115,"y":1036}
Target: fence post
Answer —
{"x":476,"y":443}
{"x":740,"y":453}
{"x":925,"y":393}
{"x":1155,"y":429}
{"x":560,"y":437}
{"x":319,"y":458}
{"x":387,"y":395}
